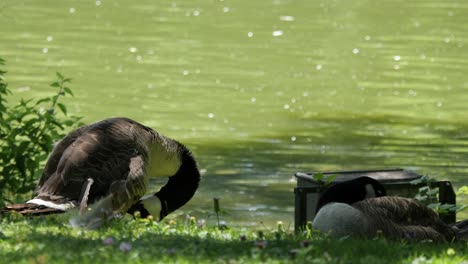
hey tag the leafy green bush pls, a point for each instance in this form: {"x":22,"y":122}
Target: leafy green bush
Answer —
{"x":430,"y":196}
{"x":28,"y":131}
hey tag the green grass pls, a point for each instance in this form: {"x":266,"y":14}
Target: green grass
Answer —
{"x":51,"y":240}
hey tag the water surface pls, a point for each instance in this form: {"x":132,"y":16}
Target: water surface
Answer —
{"x":260,"y":89}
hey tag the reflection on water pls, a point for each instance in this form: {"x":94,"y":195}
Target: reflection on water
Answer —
{"x":260,"y":89}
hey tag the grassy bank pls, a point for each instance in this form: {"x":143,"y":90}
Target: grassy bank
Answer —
{"x":50,"y":240}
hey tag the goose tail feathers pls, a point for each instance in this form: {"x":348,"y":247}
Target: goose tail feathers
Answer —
{"x":30,"y":209}
{"x":461,"y":230}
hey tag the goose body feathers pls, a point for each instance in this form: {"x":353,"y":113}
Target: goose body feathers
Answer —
{"x":113,"y":160}
{"x":390,"y":216}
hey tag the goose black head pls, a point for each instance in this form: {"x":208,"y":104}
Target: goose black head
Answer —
{"x":351,"y":191}
{"x":178,"y":190}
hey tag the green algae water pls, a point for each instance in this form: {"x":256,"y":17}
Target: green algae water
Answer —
{"x":260,"y":89}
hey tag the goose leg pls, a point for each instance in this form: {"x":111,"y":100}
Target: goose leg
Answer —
{"x":84,"y":195}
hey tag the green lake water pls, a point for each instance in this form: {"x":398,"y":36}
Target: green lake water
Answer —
{"x":260,"y":89}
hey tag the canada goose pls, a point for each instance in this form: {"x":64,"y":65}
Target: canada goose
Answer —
{"x":109,"y":162}
{"x":392,"y":217}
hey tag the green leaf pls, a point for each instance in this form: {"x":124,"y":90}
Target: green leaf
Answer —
{"x":43,"y":100}
{"x":68,"y":122}
{"x":68,"y":91}
{"x":63,"y":108}
{"x":57,"y":124}
{"x":23,"y":146}
{"x":330,"y":179}
{"x":433,"y":192}
{"x":318,"y":176}
{"x":424,"y":189}
{"x":447,"y":206}
{"x":60,"y":76}
{"x":420,"y":197}
{"x":55,"y":98}
{"x":422,"y":179}
{"x":416,"y":181}
{"x":463,"y":190}
{"x":433,"y":206}
{"x":55,"y":84}
{"x":459,"y":208}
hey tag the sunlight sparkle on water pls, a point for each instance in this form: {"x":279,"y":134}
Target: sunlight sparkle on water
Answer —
{"x":287,"y":18}
{"x":299,"y":104}
{"x":277,"y":33}
{"x":412,"y":93}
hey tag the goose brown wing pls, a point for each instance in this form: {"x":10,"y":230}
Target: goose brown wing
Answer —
{"x":398,"y":209}
{"x":400,"y":217}
{"x":57,"y":152}
{"x":102,"y":151}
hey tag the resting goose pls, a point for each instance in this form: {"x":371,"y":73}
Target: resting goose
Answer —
{"x":109,"y":163}
{"x":392,"y":217}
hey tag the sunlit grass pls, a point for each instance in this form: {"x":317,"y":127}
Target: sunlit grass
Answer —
{"x":51,"y":240}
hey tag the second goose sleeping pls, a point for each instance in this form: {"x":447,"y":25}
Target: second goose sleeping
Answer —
{"x":393,"y":217}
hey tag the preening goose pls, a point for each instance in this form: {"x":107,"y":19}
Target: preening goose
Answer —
{"x":392,"y":217}
{"x":108,"y":163}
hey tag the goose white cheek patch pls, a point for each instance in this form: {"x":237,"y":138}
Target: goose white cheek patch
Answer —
{"x":152,"y":204}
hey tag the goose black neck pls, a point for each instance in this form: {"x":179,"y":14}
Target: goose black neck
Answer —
{"x":180,"y":187}
{"x":350,"y":191}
